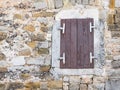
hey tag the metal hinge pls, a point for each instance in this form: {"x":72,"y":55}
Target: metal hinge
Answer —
{"x":91,"y":57}
{"x":62,"y":58}
{"x":62,"y":28}
{"x":91,"y":27}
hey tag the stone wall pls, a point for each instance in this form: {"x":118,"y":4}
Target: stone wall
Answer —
{"x":26,"y":46}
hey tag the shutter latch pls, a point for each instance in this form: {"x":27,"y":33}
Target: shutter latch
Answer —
{"x":91,"y":57}
{"x":63,"y":58}
{"x":91,"y":27}
{"x":62,"y":28}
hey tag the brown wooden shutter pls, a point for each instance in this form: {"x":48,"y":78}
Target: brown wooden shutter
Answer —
{"x":77,"y":42}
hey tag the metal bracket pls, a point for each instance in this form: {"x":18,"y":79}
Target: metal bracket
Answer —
{"x":62,"y":28}
{"x":91,"y":27}
{"x":63,"y":58}
{"x":91,"y":57}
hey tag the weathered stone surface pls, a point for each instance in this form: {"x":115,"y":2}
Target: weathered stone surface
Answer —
{"x":43,"y":14}
{"x":45,"y":68}
{"x":25,"y":52}
{"x":18,"y":16}
{"x":32,"y":85}
{"x":3,"y":69}
{"x":99,"y":80}
{"x":58,"y":3}
{"x":116,"y":64}
{"x":55,"y":84}
{"x":40,"y":5}
{"x":3,"y":35}
{"x":99,"y":86}
{"x":116,"y":57}
{"x":75,"y":79}
{"x":2,"y":56}
{"x":110,"y":19}
{"x":115,"y":34}
{"x":65,"y":86}
{"x":31,"y":44}
{"x":112,"y":4}
{"x":113,"y":84}
{"x":38,"y":37}
{"x":83,"y":87}
{"x":74,"y":86}
{"x":2,"y":86}
{"x":25,"y":76}
{"x":43,"y":86}
{"x":44,"y":28}
{"x":14,"y":86}
{"x":43,"y":51}
{"x":87,"y":79}
{"x":30,"y":28}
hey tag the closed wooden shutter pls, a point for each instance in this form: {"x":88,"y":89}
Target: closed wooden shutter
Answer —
{"x":77,"y":43}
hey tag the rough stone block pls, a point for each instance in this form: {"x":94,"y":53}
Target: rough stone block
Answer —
{"x":18,"y":16}
{"x":58,"y":3}
{"x":74,"y":86}
{"x":38,"y":37}
{"x":113,"y":84}
{"x":43,"y":14}
{"x":75,"y":79}
{"x":43,"y":51}
{"x":40,"y":5}
{"x":116,"y":64}
{"x":19,"y":60}
{"x":112,"y":4}
{"x":32,"y":85}
{"x":87,"y":79}
{"x":99,"y":86}
{"x":25,"y":52}
{"x":43,"y":86}
{"x":65,"y":86}
{"x":117,"y":3}
{"x":14,"y":86}
{"x":3,"y":36}
{"x":55,"y":84}
{"x":2,"y":56}
{"x":45,"y":68}
{"x":31,"y":44}
{"x":30,"y":28}
{"x":83,"y":87}
{"x":116,"y":57}
{"x":99,"y":80}
{"x":110,"y":19}
{"x":73,"y":2}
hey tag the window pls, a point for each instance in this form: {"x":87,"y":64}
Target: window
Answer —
{"x":76,"y":44}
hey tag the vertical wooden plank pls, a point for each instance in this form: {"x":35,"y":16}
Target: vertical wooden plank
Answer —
{"x":62,"y":45}
{"x":79,"y":43}
{"x":68,"y":43}
{"x":73,"y":43}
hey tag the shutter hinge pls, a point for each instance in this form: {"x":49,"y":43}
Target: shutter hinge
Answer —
{"x":92,"y":57}
{"x":62,"y":28}
{"x":62,"y":58}
{"x":91,"y":27}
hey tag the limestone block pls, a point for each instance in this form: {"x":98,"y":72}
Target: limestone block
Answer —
{"x":19,"y":60}
{"x":43,"y":14}
{"x":87,"y":79}
{"x":110,"y":19}
{"x":38,"y":37}
{"x":75,"y":79}
{"x":31,"y":85}
{"x":73,"y":2}
{"x":43,"y":86}
{"x":99,"y":86}
{"x":2,"y":86}
{"x":2,"y":56}
{"x":74,"y":86}
{"x":90,"y":87}
{"x":51,"y":4}
{"x":117,"y":3}
{"x":42,"y":44}
{"x":14,"y":86}
{"x":65,"y":86}
{"x":113,"y":84}
{"x":116,"y":57}
{"x":58,"y":3}
{"x":91,"y":1}
{"x":55,"y":84}
{"x":40,"y":4}
{"x":44,"y":28}
{"x":116,"y":64}
{"x":3,"y":69}
{"x":45,"y":68}
{"x":31,"y":44}
{"x":115,"y":34}
{"x":112,"y":4}
{"x":3,"y":36}
{"x":17,"y":16}
{"x":99,"y":80}
{"x":30,"y":28}
{"x":25,"y":52}
{"x":43,"y":51}
{"x":83,"y":87}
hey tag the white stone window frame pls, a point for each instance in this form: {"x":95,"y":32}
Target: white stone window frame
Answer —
{"x":71,"y":14}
